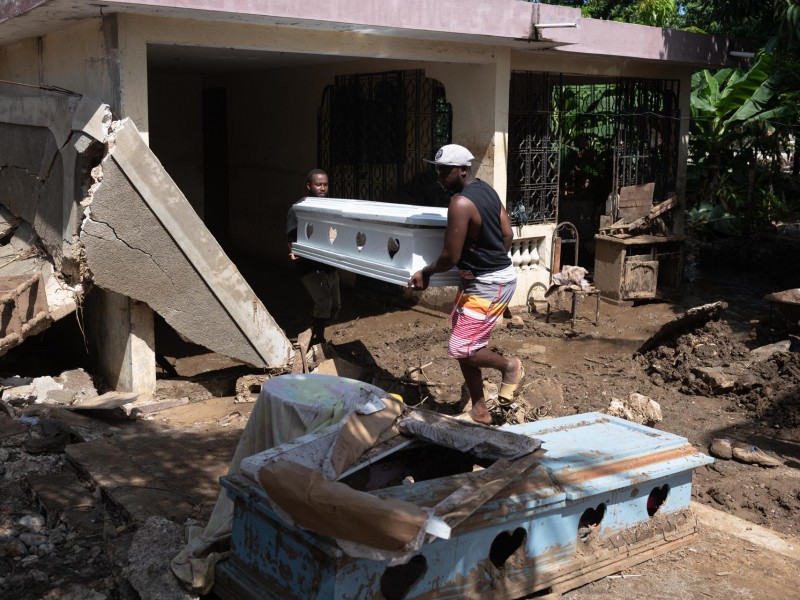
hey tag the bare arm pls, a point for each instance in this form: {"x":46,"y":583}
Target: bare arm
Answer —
{"x":505,"y":228}
{"x":459,"y":215}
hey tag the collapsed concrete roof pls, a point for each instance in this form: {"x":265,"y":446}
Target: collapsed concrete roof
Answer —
{"x":138,"y":236}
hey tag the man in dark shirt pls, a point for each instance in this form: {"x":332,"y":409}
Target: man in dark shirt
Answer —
{"x":477,"y":239}
{"x":321,"y":280}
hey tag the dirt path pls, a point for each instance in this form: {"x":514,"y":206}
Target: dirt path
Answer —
{"x":570,"y":372}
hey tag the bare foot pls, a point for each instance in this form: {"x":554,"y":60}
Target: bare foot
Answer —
{"x":512,"y":374}
{"x":480,"y":414}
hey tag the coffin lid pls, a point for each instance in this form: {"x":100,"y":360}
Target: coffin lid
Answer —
{"x":367,"y":210}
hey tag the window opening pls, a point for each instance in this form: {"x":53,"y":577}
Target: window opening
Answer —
{"x":374,"y":131}
{"x":582,"y":138}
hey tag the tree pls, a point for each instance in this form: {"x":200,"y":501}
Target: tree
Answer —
{"x":744,"y":121}
{"x":747,"y":19}
{"x":656,"y":13}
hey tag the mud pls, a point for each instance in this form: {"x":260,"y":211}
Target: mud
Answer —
{"x":703,"y":380}
{"x":767,"y":388}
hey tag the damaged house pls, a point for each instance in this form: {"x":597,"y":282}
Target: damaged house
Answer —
{"x":144,"y":142}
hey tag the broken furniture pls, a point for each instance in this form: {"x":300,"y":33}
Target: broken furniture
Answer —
{"x":23,"y":309}
{"x":638,"y":267}
{"x":382,"y":240}
{"x":607,"y":494}
{"x":633,"y":211}
{"x":635,"y":257}
{"x":566,"y":234}
{"x":645,"y":224}
{"x":579,"y":293}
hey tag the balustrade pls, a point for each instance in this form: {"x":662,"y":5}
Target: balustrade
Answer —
{"x":525,"y":253}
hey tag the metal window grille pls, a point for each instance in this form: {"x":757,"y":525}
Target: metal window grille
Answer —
{"x":569,"y":134}
{"x":374,"y":131}
{"x":534,"y":154}
{"x":646,"y":146}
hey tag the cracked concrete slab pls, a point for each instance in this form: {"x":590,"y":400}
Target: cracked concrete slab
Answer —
{"x":139,"y":236}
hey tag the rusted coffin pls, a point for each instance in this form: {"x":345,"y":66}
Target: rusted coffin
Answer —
{"x":607,"y":494}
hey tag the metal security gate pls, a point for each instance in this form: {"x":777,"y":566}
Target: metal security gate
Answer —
{"x":374,"y":131}
{"x":534,"y":149}
{"x":584,"y":137}
{"x":646,"y":148}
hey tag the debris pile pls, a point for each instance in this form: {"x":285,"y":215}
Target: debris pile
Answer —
{"x":709,"y":361}
{"x":42,"y":553}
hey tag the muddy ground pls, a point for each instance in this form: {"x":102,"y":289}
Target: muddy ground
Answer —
{"x":182,"y":451}
{"x":578,"y":370}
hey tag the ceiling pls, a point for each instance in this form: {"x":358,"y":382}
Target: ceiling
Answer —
{"x":219,"y":61}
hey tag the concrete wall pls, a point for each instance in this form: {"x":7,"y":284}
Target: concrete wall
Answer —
{"x":75,"y":58}
{"x":45,"y":159}
{"x":142,"y":240}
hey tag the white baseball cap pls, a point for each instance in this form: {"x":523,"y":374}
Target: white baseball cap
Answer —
{"x":453,"y":155}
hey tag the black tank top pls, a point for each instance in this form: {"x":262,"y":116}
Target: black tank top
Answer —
{"x":487,"y":253}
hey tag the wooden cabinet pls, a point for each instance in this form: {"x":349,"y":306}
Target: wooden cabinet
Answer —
{"x":638,"y":267}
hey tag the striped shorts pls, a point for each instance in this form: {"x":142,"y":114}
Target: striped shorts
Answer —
{"x":477,"y":308}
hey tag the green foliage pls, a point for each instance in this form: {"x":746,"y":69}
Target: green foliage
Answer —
{"x":747,"y":19}
{"x":734,"y":150}
{"x":743,"y":120}
{"x":586,"y":136}
{"x":708,"y":220}
{"x":656,"y":13}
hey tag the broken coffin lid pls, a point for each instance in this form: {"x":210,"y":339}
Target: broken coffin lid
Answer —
{"x":587,"y":456}
{"x":381,"y":240}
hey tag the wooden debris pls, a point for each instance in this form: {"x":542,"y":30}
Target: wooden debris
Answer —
{"x":623,"y":228}
{"x":159,"y":405}
{"x":107,"y":401}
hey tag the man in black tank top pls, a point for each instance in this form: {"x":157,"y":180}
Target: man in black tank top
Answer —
{"x":477,"y":239}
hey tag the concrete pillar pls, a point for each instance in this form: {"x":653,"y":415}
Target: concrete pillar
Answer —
{"x":502,"y":91}
{"x":122,"y":336}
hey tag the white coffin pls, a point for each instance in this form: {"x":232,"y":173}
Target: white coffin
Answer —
{"x":385,"y":241}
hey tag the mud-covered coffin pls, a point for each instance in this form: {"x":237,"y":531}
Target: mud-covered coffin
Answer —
{"x":607,"y":494}
{"x":385,"y":241}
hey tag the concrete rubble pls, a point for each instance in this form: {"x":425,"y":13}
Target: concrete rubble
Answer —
{"x":72,"y":501}
{"x":74,"y":385}
{"x":153,"y":546}
{"x":132,"y":233}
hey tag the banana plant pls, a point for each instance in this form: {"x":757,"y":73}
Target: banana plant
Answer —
{"x":731,"y":113}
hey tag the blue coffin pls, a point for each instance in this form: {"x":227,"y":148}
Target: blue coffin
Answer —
{"x":607,"y":494}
